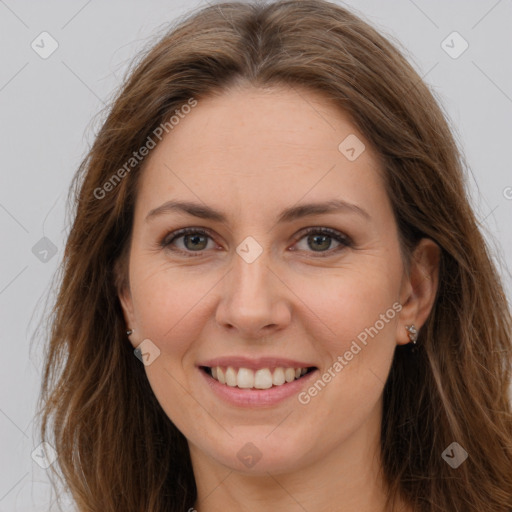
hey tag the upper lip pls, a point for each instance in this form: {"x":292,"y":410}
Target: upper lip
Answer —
{"x":256,"y":363}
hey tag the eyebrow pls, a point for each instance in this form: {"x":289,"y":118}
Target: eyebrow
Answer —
{"x":288,"y":215}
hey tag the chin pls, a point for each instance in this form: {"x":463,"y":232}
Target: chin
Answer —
{"x":260,"y":455}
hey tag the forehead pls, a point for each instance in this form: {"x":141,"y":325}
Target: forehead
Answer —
{"x":260,"y":147}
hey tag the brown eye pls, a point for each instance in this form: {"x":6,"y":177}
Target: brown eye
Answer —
{"x":197,"y":242}
{"x":322,"y":242}
{"x":319,"y":240}
{"x":187,"y":240}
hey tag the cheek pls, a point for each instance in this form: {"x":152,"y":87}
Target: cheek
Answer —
{"x":355,"y":324}
{"x":349,"y":303}
{"x":356,"y":314}
{"x":174,"y":304}
{"x":170,"y":304}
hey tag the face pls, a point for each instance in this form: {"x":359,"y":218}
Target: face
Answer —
{"x":265,"y":283}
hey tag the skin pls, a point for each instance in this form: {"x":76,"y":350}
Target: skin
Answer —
{"x":251,"y":153}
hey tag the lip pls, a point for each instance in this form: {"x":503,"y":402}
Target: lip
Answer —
{"x":257,"y":397}
{"x":255,"y":364}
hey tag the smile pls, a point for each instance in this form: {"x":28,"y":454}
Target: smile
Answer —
{"x":262,"y":378}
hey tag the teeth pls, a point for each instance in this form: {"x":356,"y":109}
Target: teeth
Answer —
{"x":278,"y":377}
{"x":245,"y":378}
{"x":289,"y":374}
{"x":231,"y":376}
{"x":263,"y":378}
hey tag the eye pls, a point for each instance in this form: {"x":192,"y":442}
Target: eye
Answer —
{"x":195,"y":240}
{"x":321,"y":239}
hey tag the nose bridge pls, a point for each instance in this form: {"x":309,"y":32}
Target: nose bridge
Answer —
{"x":249,"y":279}
{"x":249,"y":285}
{"x":252,"y":297}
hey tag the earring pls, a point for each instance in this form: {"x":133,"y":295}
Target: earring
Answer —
{"x":413,"y":333}
{"x":129,"y":332}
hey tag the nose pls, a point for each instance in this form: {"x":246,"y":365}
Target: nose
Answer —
{"x":255,"y":301}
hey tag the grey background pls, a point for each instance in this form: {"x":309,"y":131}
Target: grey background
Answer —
{"x":49,"y":117}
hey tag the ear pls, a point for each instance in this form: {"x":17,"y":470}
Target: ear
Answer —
{"x":419,"y":288}
{"x":125,"y":298}
{"x":124,"y":294}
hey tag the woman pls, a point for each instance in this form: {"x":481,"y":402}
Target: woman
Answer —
{"x":273,"y":220}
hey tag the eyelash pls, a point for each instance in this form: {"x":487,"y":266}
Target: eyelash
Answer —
{"x":344,"y":240}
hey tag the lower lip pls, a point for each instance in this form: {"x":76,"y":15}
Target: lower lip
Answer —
{"x":257,"y":397}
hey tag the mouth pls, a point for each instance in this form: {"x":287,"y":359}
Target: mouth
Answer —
{"x":261,"y":378}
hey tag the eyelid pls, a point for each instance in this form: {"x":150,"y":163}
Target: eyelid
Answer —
{"x":343,"y":239}
{"x":339,"y":236}
{"x":170,"y":237}
{"x":334,"y":233}
{"x":167,"y":240}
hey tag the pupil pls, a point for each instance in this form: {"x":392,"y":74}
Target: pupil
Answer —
{"x":195,"y":239}
{"x":324,"y":238}
{"x":323,"y":241}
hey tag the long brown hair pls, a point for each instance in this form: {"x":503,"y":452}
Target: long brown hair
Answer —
{"x":117,"y":449}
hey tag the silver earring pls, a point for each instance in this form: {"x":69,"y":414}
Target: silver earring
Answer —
{"x":129,"y":332}
{"x":413,"y":333}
